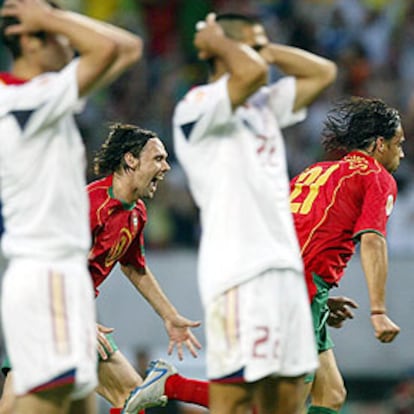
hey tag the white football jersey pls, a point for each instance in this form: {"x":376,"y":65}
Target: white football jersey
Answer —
{"x":42,"y":168}
{"x":236,"y":165}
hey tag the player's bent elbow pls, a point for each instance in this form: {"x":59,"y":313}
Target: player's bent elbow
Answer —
{"x":108,"y":52}
{"x":132,"y":51}
{"x":258,"y":75}
{"x":372,"y":240}
{"x":329,"y":73}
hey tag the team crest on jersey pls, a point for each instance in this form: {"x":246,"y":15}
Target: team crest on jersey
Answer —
{"x":134,"y":222}
{"x":357,"y":162}
{"x":390,"y":205}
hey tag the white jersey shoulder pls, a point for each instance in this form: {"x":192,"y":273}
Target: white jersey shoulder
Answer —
{"x":236,"y":165}
{"x":42,"y":174}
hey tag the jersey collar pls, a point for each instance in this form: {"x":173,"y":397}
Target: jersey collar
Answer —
{"x":125,"y":205}
{"x":9,"y":79}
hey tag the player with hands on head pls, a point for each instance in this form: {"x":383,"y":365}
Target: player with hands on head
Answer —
{"x":335,"y":205}
{"x":52,"y":339}
{"x":228,"y":139}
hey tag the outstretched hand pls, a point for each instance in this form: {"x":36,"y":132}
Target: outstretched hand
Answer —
{"x":339,"y":310}
{"x":179,"y":332}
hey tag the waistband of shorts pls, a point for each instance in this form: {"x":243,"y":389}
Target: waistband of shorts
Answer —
{"x":322,"y":283}
{"x":77,"y":259}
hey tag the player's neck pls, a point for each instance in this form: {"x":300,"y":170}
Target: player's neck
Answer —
{"x":219,"y":71}
{"x":121,"y":190}
{"x":24,"y":70}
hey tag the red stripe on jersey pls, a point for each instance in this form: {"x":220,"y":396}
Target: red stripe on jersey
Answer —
{"x":9,"y":79}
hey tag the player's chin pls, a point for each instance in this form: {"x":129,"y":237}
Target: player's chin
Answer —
{"x":150,"y":193}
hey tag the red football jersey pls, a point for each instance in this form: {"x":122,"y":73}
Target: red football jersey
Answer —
{"x":117,"y":231}
{"x":333,"y":203}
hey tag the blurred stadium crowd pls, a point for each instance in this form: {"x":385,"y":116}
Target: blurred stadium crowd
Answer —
{"x":372,"y":42}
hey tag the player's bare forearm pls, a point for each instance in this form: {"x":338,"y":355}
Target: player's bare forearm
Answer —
{"x":374,"y":261}
{"x":178,"y":328}
{"x":97,"y":51}
{"x":313,"y":73}
{"x":247,"y":69}
{"x":129,"y":48}
{"x":146,"y":283}
{"x":298,"y":62}
{"x":105,"y":50}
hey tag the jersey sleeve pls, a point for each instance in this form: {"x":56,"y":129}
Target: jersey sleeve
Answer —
{"x":93,"y":216}
{"x":204,"y":110}
{"x":41,"y":102}
{"x":379,"y":198}
{"x":281,"y":100}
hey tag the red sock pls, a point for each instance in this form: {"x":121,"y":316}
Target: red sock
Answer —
{"x":187,"y":389}
{"x":119,"y":411}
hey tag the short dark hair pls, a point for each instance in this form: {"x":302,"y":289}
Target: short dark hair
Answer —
{"x":355,"y":123}
{"x":122,"y":138}
{"x":12,"y":42}
{"x":232,"y":24}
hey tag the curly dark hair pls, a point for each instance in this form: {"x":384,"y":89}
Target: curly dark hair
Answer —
{"x":122,"y":138}
{"x":356,"y":122}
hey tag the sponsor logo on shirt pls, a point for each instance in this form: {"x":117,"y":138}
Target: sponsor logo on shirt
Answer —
{"x":119,"y":247}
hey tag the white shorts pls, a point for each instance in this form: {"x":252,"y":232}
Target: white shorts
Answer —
{"x":261,"y":328}
{"x":49,"y":322}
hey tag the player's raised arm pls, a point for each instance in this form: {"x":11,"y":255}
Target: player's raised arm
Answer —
{"x":247,"y":70}
{"x":313,"y":73}
{"x":129,"y":47}
{"x":105,"y":51}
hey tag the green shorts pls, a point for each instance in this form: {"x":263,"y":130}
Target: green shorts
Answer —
{"x":6,"y":366}
{"x":320,"y":314}
{"x":114,"y":346}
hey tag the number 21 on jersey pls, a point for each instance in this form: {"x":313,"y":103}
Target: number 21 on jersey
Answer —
{"x":312,"y":178}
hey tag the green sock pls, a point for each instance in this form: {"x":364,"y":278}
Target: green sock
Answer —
{"x":313,"y":409}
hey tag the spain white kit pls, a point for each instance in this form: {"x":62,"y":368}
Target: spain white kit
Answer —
{"x":236,"y":165}
{"x":48,"y":305}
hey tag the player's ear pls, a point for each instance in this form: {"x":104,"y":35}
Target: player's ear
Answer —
{"x":130,"y":161}
{"x":379,"y":144}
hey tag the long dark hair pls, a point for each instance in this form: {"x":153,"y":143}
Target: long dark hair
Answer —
{"x":357,"y":122}
{"x":122,"y":138}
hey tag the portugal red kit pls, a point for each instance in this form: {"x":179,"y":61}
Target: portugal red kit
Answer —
{"x":117,"y":231}
{"x":333,"y":203}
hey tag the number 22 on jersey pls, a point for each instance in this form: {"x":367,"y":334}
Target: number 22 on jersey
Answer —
{"x":312,"y":178}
